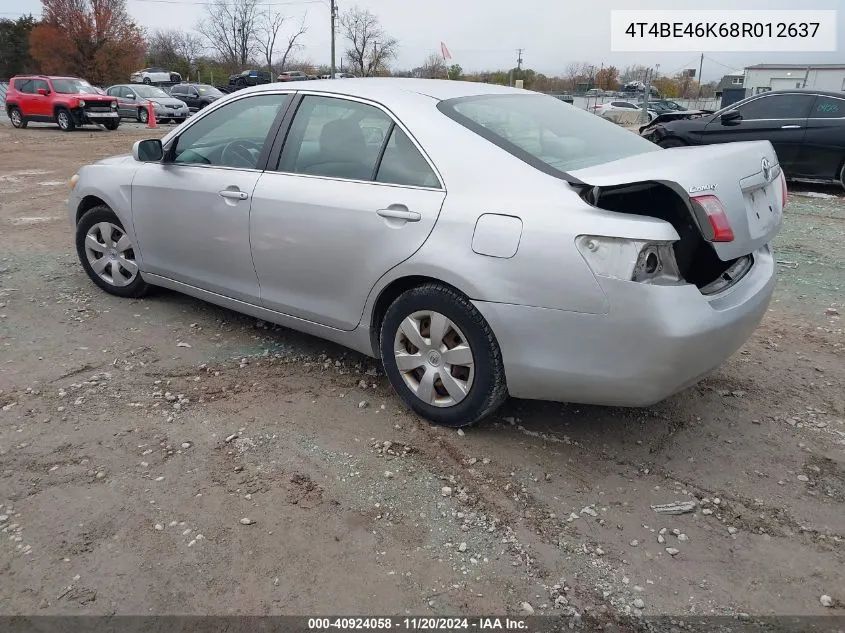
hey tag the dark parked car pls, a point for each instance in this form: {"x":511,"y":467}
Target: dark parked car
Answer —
{"x":565,"y":96}
{"x":250,"y":78}
{"x":197,"y":96}
{"x":806,"y":128}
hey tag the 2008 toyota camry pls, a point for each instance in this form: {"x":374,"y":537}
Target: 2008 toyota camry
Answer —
{"x":480,"y":240}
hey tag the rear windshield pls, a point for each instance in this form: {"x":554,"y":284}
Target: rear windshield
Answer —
{"x":545,"y":132}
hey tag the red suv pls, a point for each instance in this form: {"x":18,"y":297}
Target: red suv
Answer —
{"x":67,"y":101}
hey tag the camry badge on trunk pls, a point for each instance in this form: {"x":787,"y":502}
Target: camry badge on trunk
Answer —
{"x":700,"y":188}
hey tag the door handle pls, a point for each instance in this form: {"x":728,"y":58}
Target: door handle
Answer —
{"x":790,"y":127}
{"x":400,"y":214}
{"x":233,"y":194}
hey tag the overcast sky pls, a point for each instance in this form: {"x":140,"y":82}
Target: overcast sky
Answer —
{"x":485,"y":34}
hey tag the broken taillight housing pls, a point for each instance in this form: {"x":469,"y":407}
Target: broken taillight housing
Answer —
{"x":630,"y":260}
{"x":783,"y":189}
{"x":717,"y":216}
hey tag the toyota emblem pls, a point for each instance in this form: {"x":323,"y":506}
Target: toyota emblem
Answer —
{"x":767,"y":169}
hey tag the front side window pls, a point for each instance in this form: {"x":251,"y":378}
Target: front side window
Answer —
{"x":231,"y":136}
{"x":335,"y":137}
{"x":39,"y":84}
{"x":777,"y":106}
{"x":544,"y":132}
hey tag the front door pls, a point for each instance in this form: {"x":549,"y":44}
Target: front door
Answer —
{"x":41,"y":104}
{"x":778,"y":118}
{"x":821,"y":156}
{"x":352,"y":197}
{"x":191,"y":211}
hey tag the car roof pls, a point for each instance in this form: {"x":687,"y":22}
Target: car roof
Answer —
{"x":439,"y":89}
{"x":810,"y":91}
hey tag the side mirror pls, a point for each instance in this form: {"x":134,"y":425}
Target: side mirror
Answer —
{"x":149,"y":151}
{"x":43,"y":92}
{"x":731,"y":116}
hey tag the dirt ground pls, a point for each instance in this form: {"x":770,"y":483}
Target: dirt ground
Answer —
{"x":165,"y":456}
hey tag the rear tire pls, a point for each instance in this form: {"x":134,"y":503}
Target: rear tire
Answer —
{"x":455,"y":343}
{"x":842,"y":176}
{"x":178,"y":121}
{"x":668,"y":143}
{"x":65,"y":121}
{"x":17,"y":119}
{"x":147,"y":81}
{"x":102,"y":242}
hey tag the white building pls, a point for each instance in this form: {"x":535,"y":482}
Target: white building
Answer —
{"x":765,"y":77}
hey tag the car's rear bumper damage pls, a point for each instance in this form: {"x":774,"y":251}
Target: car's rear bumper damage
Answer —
{"x":653,"y":342}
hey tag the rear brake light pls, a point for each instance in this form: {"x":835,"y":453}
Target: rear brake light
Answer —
{"x":783,"y":189}
{"x":718,"y":218}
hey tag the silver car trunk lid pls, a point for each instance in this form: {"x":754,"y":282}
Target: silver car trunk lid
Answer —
{"x":745,"y":177}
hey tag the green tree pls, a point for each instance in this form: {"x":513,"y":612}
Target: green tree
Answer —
{"x":455,"y":72}
{"x":14,"y":46}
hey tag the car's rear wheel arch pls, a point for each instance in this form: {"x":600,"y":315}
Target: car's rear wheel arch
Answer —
{"x":390,"y":293}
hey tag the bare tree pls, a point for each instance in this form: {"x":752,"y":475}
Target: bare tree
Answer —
{"x":433,"y":67}
{"x":293,"y":44}
{"x":636,"y":72}
{"x":574,"y":72}
{"x":231,"y":28}
{"x":188,"y":46}
{"x":370,"y":47}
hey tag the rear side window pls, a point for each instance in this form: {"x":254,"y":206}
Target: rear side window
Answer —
{"x":24,"y":85}
{"x":778,"y":106}
{"x":402,"y":163}
{"x":336,"y":138}
{"x":544,"y":132}
{"x":828,"y":108}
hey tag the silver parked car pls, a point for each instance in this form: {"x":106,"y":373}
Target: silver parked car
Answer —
{"x":133,"y":103}
{"x":480,"y":240}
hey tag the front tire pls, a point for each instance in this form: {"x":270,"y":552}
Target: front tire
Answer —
{"x":65,"y":121}
{"x":143,"y":116}
{"x":147,"y":81}
{"x":441,"y":356}
{"x":668,"y":143}
{"x":111,"y":125}
{"x":16,"y":118}
{"x":107,"y":254}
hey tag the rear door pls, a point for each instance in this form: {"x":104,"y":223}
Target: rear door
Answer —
{"x":352,"y":196}
{"x":823,"y":153}
{"x":780,"y":119}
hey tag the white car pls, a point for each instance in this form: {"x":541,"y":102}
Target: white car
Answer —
{"x":150,"y":76}
{"x":602,"y":109}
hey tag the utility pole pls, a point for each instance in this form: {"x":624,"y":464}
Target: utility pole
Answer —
{"x":700,"y":65}
{"x":333,"y":9}
{"x":647,"y":94}
{"x":519,"y":58}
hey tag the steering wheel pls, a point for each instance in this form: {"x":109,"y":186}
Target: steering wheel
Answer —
{"x":240,"y":154}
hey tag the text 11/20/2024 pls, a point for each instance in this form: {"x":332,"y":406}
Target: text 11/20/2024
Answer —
{"x":492,"y":623}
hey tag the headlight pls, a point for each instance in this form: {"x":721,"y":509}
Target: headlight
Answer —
{"x":114,"y":105}
{"x":630,"y":260}
{"x":82,"y":103}
{"x":73,"y":180}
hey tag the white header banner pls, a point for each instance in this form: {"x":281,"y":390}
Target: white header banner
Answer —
{"x":720,"y":31}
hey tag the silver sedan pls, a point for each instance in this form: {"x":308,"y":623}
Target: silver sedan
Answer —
{"x":480,"y":240}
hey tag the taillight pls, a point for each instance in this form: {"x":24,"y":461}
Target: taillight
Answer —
{"x":785,"y":195}
{"x":718,"y":218}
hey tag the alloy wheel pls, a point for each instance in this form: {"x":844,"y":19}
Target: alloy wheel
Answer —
{"x":110,"y":254}
{"x":434,"y":358}
{"x":63,"y":119}
{"x":15,"y":116}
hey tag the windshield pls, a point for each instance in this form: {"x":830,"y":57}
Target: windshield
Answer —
{"x":545,"y":132}
{"x":150,"y":92}
{"x":209,"y":90}
{"x":73,"y":86}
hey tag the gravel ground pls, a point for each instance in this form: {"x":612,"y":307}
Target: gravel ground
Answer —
{"x":166,"y":456}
